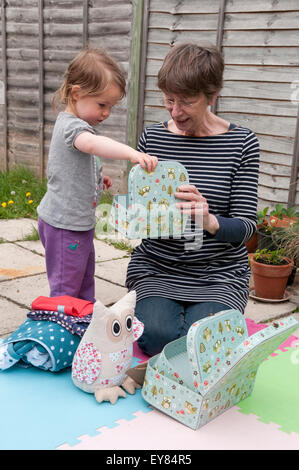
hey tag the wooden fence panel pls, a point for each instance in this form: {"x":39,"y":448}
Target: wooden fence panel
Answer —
{"x":66,"y":26}
{"x":260,"y":44}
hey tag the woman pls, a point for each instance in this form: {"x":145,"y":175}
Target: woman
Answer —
{"x":176,"y":284}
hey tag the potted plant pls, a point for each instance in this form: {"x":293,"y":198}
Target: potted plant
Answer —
{"x":283,"y":217}
{"x":270,"y":270}
{"x":270,"y":227}
{"x":288,"y":240}
{"x":262,"y":221}
{"x":264,"y":231}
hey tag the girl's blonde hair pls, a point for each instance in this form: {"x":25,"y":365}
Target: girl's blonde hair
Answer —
{"x":93,"y":70}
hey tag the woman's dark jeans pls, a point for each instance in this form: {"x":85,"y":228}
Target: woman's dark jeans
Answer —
{"x":166,"y":320}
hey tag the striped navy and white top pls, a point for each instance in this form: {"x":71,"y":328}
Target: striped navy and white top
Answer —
{"x":224,"y":168}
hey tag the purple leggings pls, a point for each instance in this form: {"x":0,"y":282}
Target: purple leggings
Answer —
{"x":70,"y":261}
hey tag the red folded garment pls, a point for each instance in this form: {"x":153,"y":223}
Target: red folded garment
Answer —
{"x":65,"y":304}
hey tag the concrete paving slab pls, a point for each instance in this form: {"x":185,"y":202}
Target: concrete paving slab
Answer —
{"x":16,"y":229}
{"x":25,"y":290}
{"x":11,"y":317}
{"x":107,"y":292}
{"x":34,"y":246}
{"x":104,"y":251}
{"x":262,"y":312}
{"x":15,"y":262}
{"x":114,"y":271}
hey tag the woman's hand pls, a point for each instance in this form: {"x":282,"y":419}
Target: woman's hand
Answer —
{"x":146,"y":161}
{"x":196,"y":205}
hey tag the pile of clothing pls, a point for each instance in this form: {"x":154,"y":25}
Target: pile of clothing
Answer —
{"x":50,"y":336}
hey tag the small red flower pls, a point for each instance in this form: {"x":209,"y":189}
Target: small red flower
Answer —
{"x":206,"y":383}
{"x":176,"y":375}
{"x":157,"y":376}
{"x":195,"y":384}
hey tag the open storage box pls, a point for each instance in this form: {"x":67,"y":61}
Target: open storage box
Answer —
{"x":201,"y":375}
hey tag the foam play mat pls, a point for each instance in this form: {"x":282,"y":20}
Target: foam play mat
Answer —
{"x":44,"y":410}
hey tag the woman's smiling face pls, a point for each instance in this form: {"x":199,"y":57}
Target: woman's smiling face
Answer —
{"x":186,"y":112}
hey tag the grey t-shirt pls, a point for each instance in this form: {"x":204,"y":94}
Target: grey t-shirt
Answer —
{"x":74,"y":178}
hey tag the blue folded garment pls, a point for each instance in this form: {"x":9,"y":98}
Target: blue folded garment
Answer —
{"x":43,"y":344}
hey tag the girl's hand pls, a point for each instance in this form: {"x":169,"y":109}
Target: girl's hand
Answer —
{"x":107,"y":182}
{"x":145,"y":160}
{"x":196,"y":205}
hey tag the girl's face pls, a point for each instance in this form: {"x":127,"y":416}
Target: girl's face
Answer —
{"x":95,"y":109}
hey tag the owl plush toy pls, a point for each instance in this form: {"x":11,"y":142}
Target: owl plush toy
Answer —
{"x":105,"y":352}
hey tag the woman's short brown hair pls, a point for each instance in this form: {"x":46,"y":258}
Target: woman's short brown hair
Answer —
{"x":190,"y":69}
{"x":93,"y":70}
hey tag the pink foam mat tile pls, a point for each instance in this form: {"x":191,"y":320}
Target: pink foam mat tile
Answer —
{"x":154,"y":430}
{"x":138,"y":353}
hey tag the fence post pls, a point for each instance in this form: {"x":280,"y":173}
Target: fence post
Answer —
{"x":85,"y":22}
{"x":219,"y":38}
{"x":41,"y":87}
{"x":294,"y":168}
{"x":143,"y":62}
{"x":4,"y":84}
{"x":134,"y":73}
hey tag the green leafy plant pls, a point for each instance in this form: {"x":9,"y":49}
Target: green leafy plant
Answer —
{"x":20,"y":193}
{"x":272,"y":257}
{"x":288,"y":240}
{"x":280,"y":211}
{"x":33,"y":236}
{"x":262,"y":216}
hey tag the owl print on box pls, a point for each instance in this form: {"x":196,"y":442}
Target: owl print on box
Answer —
{"x":149,"y":209}
{"x":105,"y":352}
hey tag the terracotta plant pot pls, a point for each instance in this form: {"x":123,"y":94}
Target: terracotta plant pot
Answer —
{"x":251,"y":245}
{"x":270,"y":281}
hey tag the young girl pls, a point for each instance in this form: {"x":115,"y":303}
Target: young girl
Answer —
{"x":93,"y":85}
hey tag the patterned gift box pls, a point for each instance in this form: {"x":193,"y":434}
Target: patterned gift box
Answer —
{"x":148,"y":210}
{"x":201,"y":375}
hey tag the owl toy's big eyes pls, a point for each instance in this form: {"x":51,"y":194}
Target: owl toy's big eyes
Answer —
{"x":129,"y":322}
{"x":116,"y":328}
